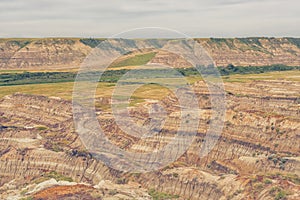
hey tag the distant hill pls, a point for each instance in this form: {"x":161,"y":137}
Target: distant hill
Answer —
{"x":65,"y":53}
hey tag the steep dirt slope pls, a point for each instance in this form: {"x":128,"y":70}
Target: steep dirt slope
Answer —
{"x":66,"y":53}
{"x":253,"y":51}
{"x":42,"y":53}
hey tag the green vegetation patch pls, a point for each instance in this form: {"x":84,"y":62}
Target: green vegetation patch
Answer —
{"x":35,"y":78}
{"x":231,"y":69}
{"x":112,"y":76}
{"x":218,"y":40}
{"x":156,"y":195}
{"x":91,"y":42}
{"x":295,"y":41}
{"x":250,"y":41}
{"x":27,"y":198}
{"x":41,"y":128}
{"x":140,"y":59}
{"x":58,"y":177}
{"x":53,"y":174}
{"x":279,"y":193}
{"x":227,"y":41}
{"x":20,"y":43}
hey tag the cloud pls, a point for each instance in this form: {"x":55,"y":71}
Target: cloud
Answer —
{"x":199,"y":18}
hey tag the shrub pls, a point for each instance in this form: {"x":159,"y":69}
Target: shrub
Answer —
{"x":41,"y":128}
{"x":275,"y":160}
{"x":267,"y":181}
{"x":91,"y":42}
{"x":113,"y":192}
{"x":27,"y":198}
{"x":121,"y":181}
{"x":231,"y":69}
{"x":160,"y":195}
{"x":277,"y":130}
{"x":281,"y":195}
{"x":58,"y":177}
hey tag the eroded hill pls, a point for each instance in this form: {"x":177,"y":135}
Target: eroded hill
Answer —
{"x":256,"y":157}
{"x":68,"y":53}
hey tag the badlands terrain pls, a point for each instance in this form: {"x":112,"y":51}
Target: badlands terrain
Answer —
{"x":256,"y":156}
{"x":68,"y":53}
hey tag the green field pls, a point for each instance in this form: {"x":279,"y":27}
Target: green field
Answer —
{"x":64,"y":89}
{"x":293,"y":75}
{"x":60,"y":83}
{"x":140,"y":59}
{"x":112,"y":76}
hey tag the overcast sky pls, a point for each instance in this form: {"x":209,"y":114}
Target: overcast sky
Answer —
{"x":103,"y":18}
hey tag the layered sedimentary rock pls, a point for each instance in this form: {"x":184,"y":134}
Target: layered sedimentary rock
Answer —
{"x":256,"y":156}
{"x":253,"y":51}
{"x":65,"y":53}
{"x":42,"y":53}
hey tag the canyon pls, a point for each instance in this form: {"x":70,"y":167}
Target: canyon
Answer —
{"x":256,"y":157}
{"x":257,"y":151}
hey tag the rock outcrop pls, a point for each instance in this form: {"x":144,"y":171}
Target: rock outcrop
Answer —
{"x":256,"y":157}
{"x":66,"y":53}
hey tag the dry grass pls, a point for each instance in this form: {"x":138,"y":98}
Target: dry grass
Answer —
{"x":282,"y":75}
{"x":62,"y":90}
{"x":149,"y":91}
